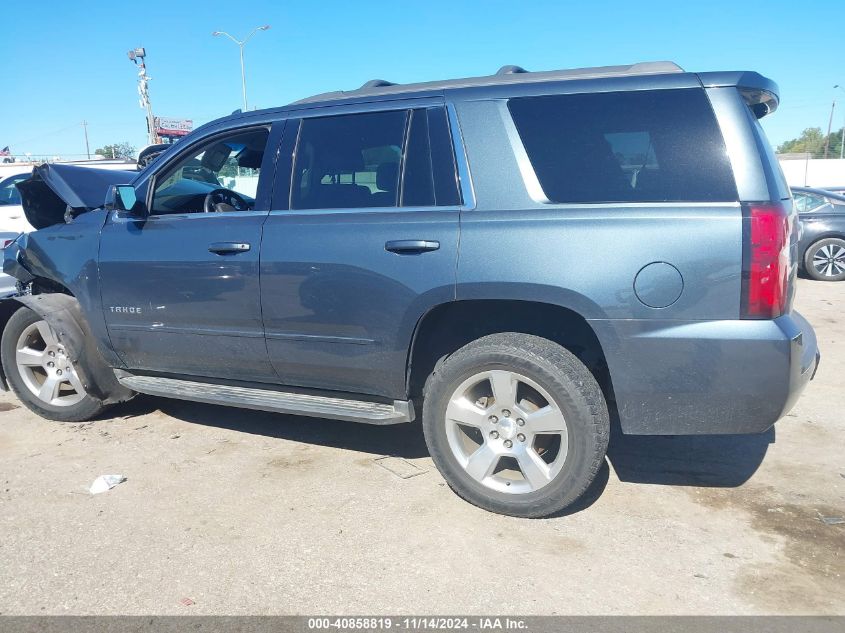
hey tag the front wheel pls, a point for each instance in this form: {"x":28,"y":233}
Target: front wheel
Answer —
{"x":516,"y":424}
{"x":41,"y":374}
{"x":825,"y":260}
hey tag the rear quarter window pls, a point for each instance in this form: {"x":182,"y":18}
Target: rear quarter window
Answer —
{"x":639,"y":146}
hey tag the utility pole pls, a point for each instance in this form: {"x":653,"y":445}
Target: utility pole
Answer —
{"x":87,"y":148}
{"x":241,"y":44}
{"x":842,"y":140}
{"x":829,"y":125}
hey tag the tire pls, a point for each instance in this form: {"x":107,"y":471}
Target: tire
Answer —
{"x":553,"y":456}
{"x":28,"y":332}
{"x":825,"y":260}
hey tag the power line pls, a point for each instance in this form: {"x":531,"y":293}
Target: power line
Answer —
{"x":46,"y":134}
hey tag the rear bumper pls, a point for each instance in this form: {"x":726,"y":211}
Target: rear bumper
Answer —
{"x":707,"y":377}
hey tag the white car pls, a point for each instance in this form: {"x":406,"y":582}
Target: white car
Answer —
{"x":12,"y":218}
{"x":13,"y":222}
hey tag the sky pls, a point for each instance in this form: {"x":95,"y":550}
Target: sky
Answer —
{"x":62,"y":62}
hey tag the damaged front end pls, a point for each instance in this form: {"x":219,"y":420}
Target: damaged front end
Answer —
{"x":56,"y":266}
{"x":58,"y":193}
{"x":54,"y":195}
{"x":13,"y":265}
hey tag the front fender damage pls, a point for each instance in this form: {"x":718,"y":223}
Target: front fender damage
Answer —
{"x":63,"y":313}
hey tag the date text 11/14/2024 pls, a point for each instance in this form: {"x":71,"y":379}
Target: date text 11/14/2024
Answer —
{"x":480,"y":623}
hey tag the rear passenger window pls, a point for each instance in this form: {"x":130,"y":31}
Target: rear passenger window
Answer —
{"x":376,"y":159}
{"x":446,"y":187}
{"x":349,"y":161}
{"x":418,"y":181}
{"x":641,"y":146}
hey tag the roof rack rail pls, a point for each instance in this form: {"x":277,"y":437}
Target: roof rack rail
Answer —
{"x":376,"y":83}
{"x":506,"y":75}
{"x":510,"y":69}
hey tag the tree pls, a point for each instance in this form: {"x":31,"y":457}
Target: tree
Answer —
{"x":812,"y":142}
{"x":117,"y":150}
{"x":836,"y":144}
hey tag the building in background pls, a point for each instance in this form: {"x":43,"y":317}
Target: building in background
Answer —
{"x":802,"y":170}
{"x":170,"y":130}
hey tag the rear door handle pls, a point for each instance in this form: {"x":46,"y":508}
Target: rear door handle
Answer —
{"x":228,"y":248}
{"x":409,"y":247}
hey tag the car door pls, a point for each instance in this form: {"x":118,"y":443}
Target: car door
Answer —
{"x":180,"y":287}
{"x":361,"y":242}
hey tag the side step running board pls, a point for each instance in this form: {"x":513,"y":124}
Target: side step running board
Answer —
{"x":276,"y":401}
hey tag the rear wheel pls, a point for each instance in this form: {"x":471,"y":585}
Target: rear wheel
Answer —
{"x":516,"y":424}
{"x":825,"y":260}
{"x":41,"y":374}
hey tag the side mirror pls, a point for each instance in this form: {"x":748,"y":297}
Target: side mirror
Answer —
{"x":124,"y":198}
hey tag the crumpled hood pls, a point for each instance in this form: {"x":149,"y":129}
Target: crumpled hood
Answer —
{"x":52,"y":189}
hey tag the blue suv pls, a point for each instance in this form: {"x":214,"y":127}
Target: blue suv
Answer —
{"x":520,"y":260}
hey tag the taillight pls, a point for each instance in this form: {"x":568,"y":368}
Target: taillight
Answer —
{"x":7,"y":242}
{"x":765,"y":259}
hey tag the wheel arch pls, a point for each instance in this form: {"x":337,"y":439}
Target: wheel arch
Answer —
{"x":11,"y":304}
{"x":63,"y":313}
{"x":449,"y":326}
{"x":838,"y":235}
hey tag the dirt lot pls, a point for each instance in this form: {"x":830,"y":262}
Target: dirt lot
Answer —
{"x":245,"y":512}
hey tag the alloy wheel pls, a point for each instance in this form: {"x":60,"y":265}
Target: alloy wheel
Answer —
{"x":506,"y":432}
{"x":45,"y":368}
{"x":829,"y":260}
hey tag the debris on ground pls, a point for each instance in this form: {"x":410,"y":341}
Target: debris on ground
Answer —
{"x":402,"y":468}
{"x":187,"y":602}
{"x":832,"y":520}
{"x":104,"y":483}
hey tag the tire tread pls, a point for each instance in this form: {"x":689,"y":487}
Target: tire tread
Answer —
{"x":554,"y":358}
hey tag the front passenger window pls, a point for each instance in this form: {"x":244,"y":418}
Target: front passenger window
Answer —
{"x":220,"y":176}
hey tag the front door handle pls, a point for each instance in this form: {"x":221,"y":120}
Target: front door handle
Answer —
{"x":228,"y":248}
{"x":410,"y":247}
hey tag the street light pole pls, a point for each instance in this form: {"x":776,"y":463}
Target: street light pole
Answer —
{"x":241,"y":44}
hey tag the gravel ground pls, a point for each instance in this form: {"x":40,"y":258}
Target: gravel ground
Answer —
{"x":238,"y":512}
